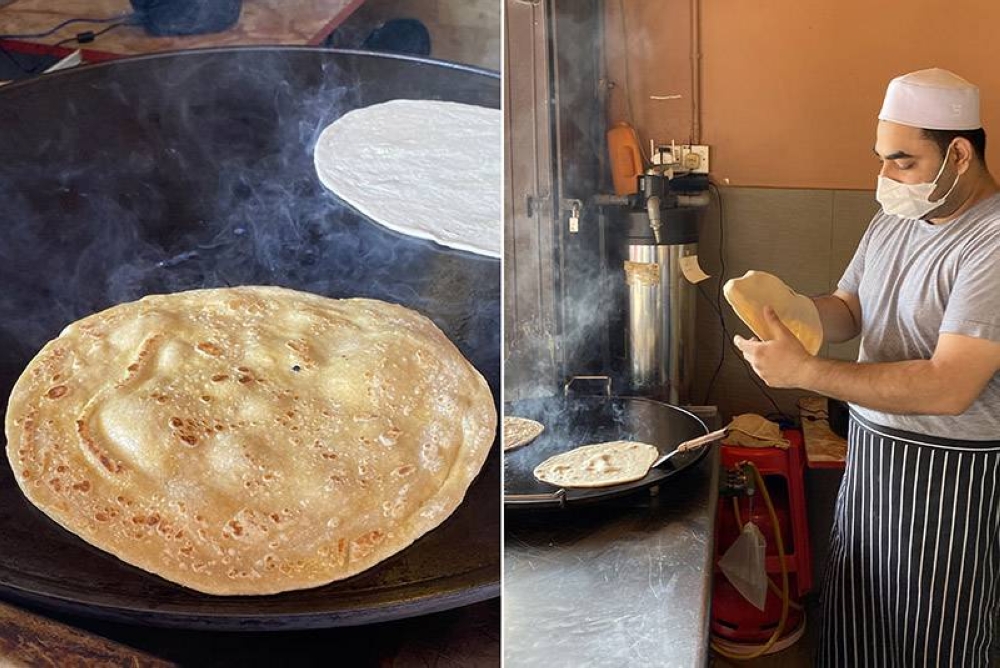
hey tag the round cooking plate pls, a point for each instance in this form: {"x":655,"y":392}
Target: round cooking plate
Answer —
{"x":189,"y":170}
{"x":581,"y":420}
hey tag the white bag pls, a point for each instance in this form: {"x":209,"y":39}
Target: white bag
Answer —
{"x":743,"y":564}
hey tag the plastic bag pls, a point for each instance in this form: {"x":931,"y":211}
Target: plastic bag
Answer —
{"x":743,"y":564}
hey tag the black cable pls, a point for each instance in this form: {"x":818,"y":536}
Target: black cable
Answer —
{"x":82,"y":37}
{"x":746,"y":365}
{"x":717,"y":307}
{"x":718,"y":294}
{"x":88,"y":36}
{"x":722,"y":347}
{"x":67,"y":22}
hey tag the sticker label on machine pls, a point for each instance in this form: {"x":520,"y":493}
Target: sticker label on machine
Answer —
{"x":648,"y":273}
{"x":642,"y":273}
{"x":692,"y":270}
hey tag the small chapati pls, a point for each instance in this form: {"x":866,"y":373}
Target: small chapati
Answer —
{"x":518,"y":431}
{"x":599,"y":465}
{"x":249,"y":440}
{"x":425,"y":168}
{"x":749,"y":294}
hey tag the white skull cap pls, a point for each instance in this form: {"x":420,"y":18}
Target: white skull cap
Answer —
{"x":933,"y":99}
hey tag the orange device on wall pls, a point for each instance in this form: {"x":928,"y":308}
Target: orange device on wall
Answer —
{"x":626,"y":158}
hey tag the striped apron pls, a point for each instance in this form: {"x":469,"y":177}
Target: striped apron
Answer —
{"x":915,"y":551}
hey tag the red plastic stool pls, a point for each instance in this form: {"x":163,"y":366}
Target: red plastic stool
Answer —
{"x":733,"y":617}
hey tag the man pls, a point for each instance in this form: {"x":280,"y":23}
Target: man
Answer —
{"x":912,"y":578}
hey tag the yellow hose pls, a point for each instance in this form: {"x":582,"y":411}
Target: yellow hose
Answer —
{"x":785,"y":602}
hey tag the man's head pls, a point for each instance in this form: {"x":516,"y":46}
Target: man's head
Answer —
{"x":931,"y":144}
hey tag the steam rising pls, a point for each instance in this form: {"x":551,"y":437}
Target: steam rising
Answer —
{"x":167,"y":174}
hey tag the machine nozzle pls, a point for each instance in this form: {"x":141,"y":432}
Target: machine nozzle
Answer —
{"x":653,"y":209}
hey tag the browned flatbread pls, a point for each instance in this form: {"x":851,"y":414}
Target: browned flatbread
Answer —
{"x":750,"y":293}
{"x":518,"y":431}
{"x":249,"y":440}
{"x":598,"y":465}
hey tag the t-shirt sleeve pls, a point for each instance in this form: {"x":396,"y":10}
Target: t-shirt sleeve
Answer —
{"x":974,"y":304}
{"x":850,"y":282}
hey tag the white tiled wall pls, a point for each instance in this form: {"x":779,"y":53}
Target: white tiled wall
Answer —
{"x":805,"y":237}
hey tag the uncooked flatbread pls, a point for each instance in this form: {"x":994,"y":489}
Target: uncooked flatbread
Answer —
{"x":749,"y":294}
{"x":425,"y":168}
{"x":249,"y":440}
{"x":518,"y":431}
{"x":598,"y":465}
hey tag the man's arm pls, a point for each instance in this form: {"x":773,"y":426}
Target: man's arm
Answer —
{"x":841,"y":316}
{"x":946,"y":384}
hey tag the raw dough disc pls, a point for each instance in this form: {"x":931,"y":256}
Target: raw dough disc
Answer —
{"x":425,"y":168}
{"x":749,"y":294}
{"x":598,"y":465}
{"x":518,"y":431}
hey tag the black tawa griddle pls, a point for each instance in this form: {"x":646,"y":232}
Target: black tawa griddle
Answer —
{"x":573,"y":421}
{"x":190,"y":170}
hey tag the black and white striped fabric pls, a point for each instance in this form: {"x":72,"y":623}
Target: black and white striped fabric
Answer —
{"x":915,"y":552}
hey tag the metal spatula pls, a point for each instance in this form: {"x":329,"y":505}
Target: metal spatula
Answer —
{"x":693,"y":444}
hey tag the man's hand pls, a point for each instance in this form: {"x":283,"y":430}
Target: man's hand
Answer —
{"x":780,"y":362}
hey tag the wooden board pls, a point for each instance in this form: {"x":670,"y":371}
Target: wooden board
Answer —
{"x":824,"y":449}
{"x":292,"y":22}
{"x":27,"y":639}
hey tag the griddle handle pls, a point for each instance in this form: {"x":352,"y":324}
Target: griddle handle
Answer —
{"x":605,"y":379}
{"x":558,"y":496}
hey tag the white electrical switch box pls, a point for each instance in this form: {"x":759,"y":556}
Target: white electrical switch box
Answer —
{"x":694,"y":158}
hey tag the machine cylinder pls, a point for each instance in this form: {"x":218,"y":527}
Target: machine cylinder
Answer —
{"x":660,"y":305}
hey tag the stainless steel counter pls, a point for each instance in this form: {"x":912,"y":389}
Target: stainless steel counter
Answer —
{"x":622,"y":583}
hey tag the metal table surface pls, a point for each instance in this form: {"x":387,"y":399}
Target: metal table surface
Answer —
{"x":627,"y":582}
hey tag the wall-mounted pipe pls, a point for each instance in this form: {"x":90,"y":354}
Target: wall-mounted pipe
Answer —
{"x":695,"y":71}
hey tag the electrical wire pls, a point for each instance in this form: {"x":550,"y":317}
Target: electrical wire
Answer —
{"x":52,"y":31}
{"x":87,"y":37}
{"x":718,"y":295}
{"x":84,"y":37}
{"x":746,"y":365}
{"x":726,"y":338}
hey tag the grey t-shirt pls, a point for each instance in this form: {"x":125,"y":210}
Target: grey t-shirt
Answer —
{"x":916,"y":280}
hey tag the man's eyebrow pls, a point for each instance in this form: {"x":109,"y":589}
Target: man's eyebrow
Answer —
{"x":898,"y":155}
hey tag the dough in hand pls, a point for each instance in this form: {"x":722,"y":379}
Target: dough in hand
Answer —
{"x":598,"y":465}
{"x":425,"y":168}
{"x":749,"y":294}
{"x":518,"y":431}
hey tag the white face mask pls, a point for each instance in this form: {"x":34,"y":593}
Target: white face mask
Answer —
{"x":908,"y":200}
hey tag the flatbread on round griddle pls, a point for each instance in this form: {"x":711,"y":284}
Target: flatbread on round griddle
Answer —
{"x":426,"y":168}
{"x":598,"y":465}
{"x":518,"y":431}
{"x":249,"y":440}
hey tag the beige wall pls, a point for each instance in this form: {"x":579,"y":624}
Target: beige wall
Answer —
{"x":791,"y":89}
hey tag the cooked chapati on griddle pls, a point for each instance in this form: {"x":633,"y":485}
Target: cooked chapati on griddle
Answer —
{"x":598,"y":465}
{"x":249,"y":440}
{"x":518,"y":431}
